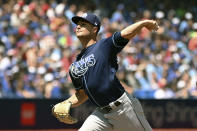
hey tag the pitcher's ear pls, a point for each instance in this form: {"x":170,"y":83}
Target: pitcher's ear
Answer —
{"x":96,"y":29}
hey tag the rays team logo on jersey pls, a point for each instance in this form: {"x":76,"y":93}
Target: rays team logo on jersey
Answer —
{"x":79,"y":68}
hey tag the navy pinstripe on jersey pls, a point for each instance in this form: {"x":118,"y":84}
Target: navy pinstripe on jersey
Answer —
{"x":95,"y":70}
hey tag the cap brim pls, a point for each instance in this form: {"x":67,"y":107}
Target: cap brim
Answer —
{"x":76,"y":19}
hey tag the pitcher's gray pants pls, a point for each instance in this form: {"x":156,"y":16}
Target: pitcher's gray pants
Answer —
{"x":128,"y":116}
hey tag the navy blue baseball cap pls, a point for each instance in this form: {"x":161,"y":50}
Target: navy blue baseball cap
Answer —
{"x":88,"y":17}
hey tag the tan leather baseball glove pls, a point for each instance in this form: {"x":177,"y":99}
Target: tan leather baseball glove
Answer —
{"x":62,"y":112}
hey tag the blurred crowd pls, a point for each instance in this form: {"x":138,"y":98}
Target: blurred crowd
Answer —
{"x":38,"y":44}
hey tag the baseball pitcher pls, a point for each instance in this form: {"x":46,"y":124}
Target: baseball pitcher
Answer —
{"x":93,"y":74}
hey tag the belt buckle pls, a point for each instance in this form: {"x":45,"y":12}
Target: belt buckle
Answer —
{"x":106,"y":108}
{"x":111,"y":106}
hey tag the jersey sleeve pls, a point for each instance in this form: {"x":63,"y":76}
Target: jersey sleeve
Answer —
{"x":114,"y":44}
{"x":118,"y":40}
